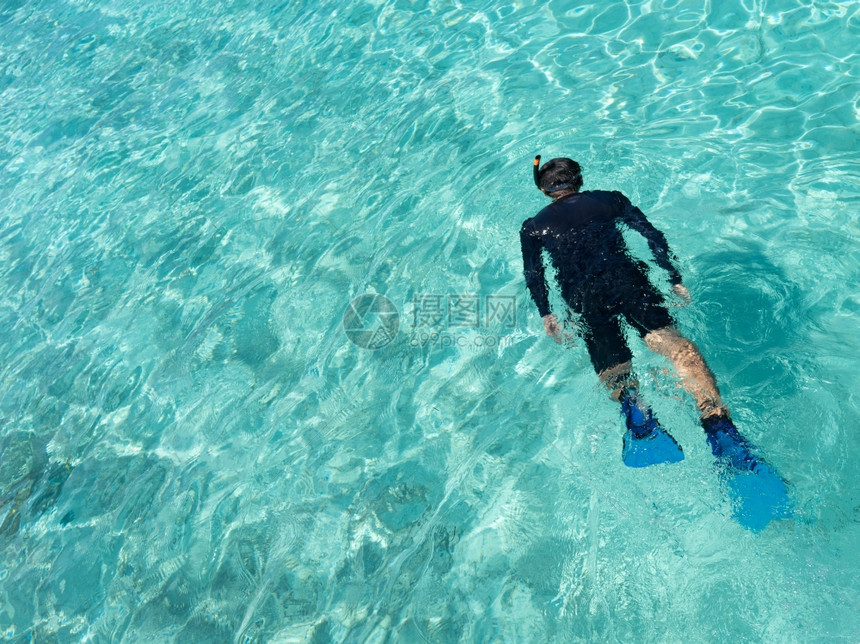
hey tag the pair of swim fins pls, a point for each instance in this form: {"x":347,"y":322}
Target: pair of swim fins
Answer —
{"x":757,"y":491}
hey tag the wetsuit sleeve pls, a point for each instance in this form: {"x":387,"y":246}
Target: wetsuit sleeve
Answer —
{"x":636,"y":219}
{"x":533,"y":268}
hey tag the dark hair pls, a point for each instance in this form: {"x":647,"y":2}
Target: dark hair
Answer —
{"x":560,"y":174}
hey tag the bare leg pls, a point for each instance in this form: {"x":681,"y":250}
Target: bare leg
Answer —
{"x":617,"y":379}
{"x":691,"y":367}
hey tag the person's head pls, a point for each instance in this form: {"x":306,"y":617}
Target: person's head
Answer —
{"x":558,"y":176}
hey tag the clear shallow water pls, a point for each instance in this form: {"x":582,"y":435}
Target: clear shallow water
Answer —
{"x":192,"y":194}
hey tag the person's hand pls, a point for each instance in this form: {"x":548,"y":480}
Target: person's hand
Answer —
{"x":552,"y":327}
{"x":681,"y":291}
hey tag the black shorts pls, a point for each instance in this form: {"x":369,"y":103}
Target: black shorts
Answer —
{"x":601,"y":311}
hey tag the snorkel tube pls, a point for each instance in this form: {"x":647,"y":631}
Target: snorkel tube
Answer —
{"x":536,"y":171}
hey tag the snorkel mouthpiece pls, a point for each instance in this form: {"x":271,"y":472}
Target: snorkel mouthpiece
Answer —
{"x":536,"y":171}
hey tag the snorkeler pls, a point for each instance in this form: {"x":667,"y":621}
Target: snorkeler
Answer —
{"x":602,"y":284}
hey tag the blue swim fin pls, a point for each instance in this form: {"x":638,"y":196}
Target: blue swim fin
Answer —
{"x":646,"y":442}
{"x":757,"y":491}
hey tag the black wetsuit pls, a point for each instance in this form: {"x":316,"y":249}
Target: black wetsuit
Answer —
{"x":598,"y":278}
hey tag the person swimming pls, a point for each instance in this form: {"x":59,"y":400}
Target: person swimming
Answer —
{"x":603,"y":284}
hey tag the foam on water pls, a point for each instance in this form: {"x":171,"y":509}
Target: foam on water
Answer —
{"x":192,"y":193}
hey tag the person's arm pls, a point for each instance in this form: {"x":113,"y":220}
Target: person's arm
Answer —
{"x":536,"y":280}
{"x":533,"y":269}
{"x":636,"y":219}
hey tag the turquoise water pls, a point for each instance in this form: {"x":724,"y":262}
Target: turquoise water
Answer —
{"x":191,"y":194}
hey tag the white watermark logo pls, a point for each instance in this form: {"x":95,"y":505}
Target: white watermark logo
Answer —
{"x":439,"y":320}
{"x":371,"y":321}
